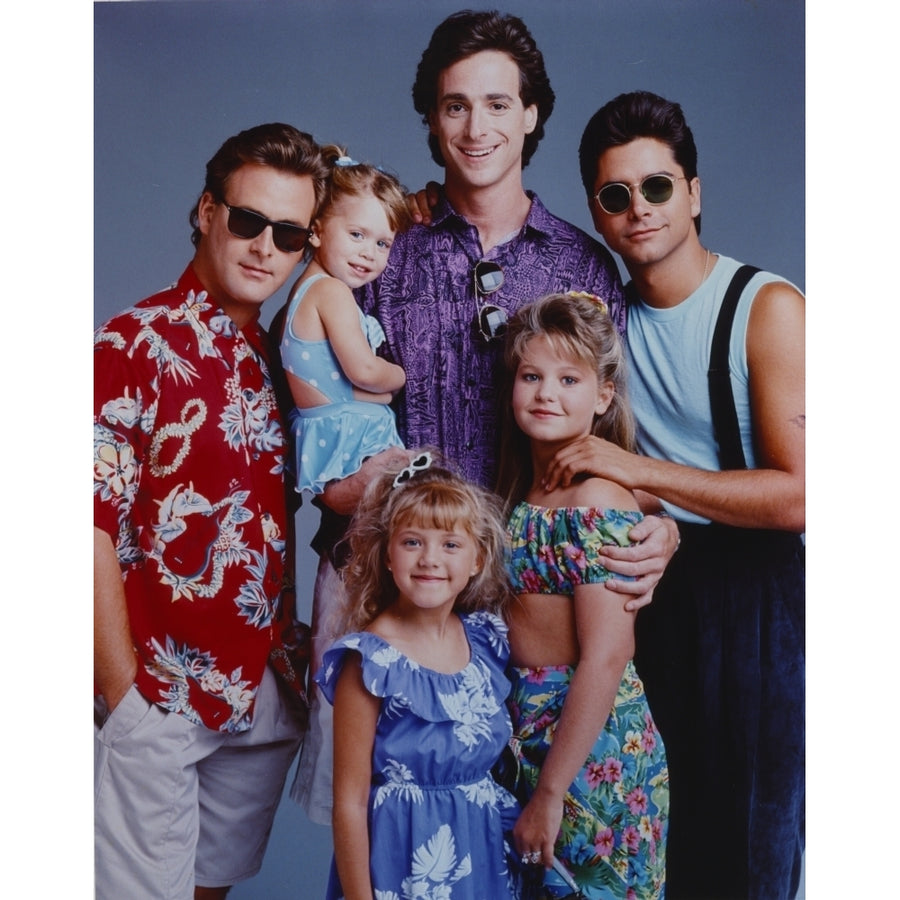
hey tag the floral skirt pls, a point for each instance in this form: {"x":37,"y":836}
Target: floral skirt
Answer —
{"x":613,"y":834}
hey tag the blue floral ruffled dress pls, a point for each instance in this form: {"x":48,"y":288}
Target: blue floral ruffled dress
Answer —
{"x":438,"y":822}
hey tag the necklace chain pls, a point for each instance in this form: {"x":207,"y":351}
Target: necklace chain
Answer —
{"x":705,"y":269}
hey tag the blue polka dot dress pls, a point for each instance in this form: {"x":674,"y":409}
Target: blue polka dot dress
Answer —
{"x":331,"y":441}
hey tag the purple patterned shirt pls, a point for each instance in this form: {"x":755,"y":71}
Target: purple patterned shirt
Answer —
{"x":426,"y":303}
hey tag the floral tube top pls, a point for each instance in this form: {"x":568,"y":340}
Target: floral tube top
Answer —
{"x":553,"y":550}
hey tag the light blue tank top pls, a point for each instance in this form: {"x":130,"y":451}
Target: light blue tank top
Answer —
{"x":668,"y":358}
{"x":314,"y":361}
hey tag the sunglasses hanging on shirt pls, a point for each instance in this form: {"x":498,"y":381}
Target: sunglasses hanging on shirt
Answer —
{"x":490,"y":320}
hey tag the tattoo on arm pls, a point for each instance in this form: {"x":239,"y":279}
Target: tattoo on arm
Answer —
{"x":800,"y":421}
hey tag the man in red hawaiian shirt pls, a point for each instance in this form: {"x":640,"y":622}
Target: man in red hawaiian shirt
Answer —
{"x":195,"y":733}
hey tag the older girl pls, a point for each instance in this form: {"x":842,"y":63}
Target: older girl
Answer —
{"x":593,"y":772}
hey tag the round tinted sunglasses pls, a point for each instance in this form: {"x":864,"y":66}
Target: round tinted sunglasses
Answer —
{"x":244,"y":223}
{"x":615,"y":198}
{"x":490,"y":320}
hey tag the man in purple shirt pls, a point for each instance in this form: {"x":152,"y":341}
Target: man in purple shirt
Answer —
{"x":482,"y":90}
{"x":434,"y":315}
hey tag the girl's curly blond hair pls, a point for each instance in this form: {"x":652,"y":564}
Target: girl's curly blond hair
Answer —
{"x":433,"y":497}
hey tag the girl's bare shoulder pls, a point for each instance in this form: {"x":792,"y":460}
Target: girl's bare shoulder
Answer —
{"x":601,"y":493}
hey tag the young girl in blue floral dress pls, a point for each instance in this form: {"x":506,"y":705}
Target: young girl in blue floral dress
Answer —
{"x":592,"y":769}
{"x":419,"y":692}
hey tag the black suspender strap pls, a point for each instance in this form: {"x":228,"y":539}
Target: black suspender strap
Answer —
{"x":721,"y":397}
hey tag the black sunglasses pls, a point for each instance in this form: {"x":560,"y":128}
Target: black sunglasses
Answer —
{"x":244,"y":223}
{"x":490,"y":320}
{"x":615,"y":198}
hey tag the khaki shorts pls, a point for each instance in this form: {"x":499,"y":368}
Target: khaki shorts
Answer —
{"x":176,"y":804}
{"x":313,"y":783}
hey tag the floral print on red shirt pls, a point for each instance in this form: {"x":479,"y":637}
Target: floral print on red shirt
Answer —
{"x":188,"y":482}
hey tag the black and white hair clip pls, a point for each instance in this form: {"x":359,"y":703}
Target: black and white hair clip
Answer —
{"x":418,"y":464}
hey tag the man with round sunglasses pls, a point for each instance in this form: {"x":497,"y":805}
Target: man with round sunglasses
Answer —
{"x":488,"y":248}
{"x":198,"y":661}
{"x":716,"y":381}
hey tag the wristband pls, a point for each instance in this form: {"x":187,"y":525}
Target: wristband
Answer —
{"x":663,"y":514}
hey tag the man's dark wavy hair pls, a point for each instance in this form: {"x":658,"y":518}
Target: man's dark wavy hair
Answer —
{"x":469,"y":32}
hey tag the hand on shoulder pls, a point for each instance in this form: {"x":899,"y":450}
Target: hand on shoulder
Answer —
{"x":423,"y":202}
{"x":590,"y":456}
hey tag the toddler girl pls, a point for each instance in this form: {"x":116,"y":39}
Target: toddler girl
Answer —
{"x":339,"y":386}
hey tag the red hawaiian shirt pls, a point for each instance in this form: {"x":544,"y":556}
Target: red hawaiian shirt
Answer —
{"x":188,"y":481}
